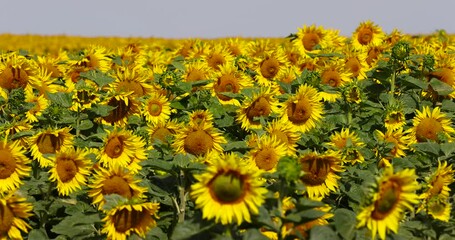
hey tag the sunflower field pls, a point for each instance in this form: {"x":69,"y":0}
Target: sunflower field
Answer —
{"x":314,"y":135}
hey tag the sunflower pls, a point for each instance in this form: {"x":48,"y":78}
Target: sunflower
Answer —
{"x":199,"y":140}
{"x":11,"y":128}
{"x":394,"y":118}
{"x":320,"y":173}
{"x":14,"y":165}
{"x":163,"y":130}
{"x":156,"y":108}
{"x":228,"y":79}
{"x":261,"y":104}
{"x":114,"y":181}
{"x":367,"y":33}
{"x":51,"y":64}
{"x":268,"y":65}
{"x":124,"y":105}
{"x":430,"y":125}
{"x":14,"y":211}
{"x":50,"y":141}
{"x":334,"y":75}
{"x":394,"y":194}
{"x":201,"y":117}
{"x":236,"y":46}
{"x":15,"y":71}
{"x":444,"y":71}
{"x":398,"y":138}
{"x":132,"y":79}
{"x":228,"y":191}
{"x":91,"y":58}
{"x":125,"y":219}
{"x":285,"y":133}
{"x":70,"y":170}
{"x":196,"y":71}
{"x":121,"y":148}
{"x":355,"y":62}
{"x":217,"y":56}
{"x":310,"y":39}
{"x":347,"y":144}
{"x":266,"y":153}
{"x":437,"y":193}
{"x":304,"y":228}
{"x":304,"y":109}
{"x":85,"y":95}
{"x":40,"y":104}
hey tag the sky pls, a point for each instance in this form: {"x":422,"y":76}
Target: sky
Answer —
{"x":214,"y":18}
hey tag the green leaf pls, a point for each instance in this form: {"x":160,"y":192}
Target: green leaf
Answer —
{"x":235,"y":145}
{"x":428,"y":147}
{"x":447,"y":148}
{"x":345,"y":222}
{"x":78,"y":225}
{"x":37,"y":234}
{"x":414,"y":82}
{"x":253,"y":233}
{"x":100,"y":78}
{"x":322,"y":232}
{"x":61,"y":98}
{"x":113,"y":200}
{"x":85,"y":124}
{"x":102,"y":110}
{"x":177,"y":105}
{"x":441,"y":87}
{"x":158,"y":164}
{"x":188,"y":229}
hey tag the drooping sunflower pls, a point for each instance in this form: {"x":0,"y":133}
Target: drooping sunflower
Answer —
{"x":436,"y":196}
{"x":347,"y":144}
{"x":14,"y":165}
{"x":14,"y":212}
{"x":367,"y":33}
{"x":156,"y":108}
{"x":70,"y":170}
{"x":430,"y":125}
{"x":132,"y":79}
{"x":228,"y":79}
{"x":50,"y":141}
{"x":444,"y":71}
{"x":124,"y":104}
{"x":262,"y":104}
{"x":310,"y":39}
{"x":398,"y":138}
{"x":285,"y":133}
{"x":163,"y":130}
{"x":394,"y":194}
{"x":304,"y":109}
{"x":228,"y":191}
{"x":128,"y":218}
{"x":121,"y":148}
{"x":320,"y":173}
{"x":266,"y":153}
{"x":199,"y":140}
{"x":114,"y":181}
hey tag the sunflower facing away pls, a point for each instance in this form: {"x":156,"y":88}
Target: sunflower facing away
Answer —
{"x":397,"y":138}
{"x":14,"y":166}
{"x":124,"y":105}
{"x":70,"y":169}
{"x":394,"y":194}
{"x":114,"y":181}
{"x":14,"y":211}
{"x":430,"y":125}
{"x":228,"y":191}
{"x":50,"y":141}
{"x":125,"y":219}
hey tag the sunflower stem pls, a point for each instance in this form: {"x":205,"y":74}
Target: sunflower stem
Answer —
{"x":78,"y":122}
{"x":182,"y":196}
{"x":392,"y":85}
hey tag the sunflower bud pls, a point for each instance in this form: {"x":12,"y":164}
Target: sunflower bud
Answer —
{"x":401,"y":50}
{"x":289,"y":168}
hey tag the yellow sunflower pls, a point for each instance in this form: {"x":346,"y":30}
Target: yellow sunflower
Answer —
{"x":124,"y":104}
{"x":394,"y":118}
{"x":43,"y":82}
{"x":347,"y":144}
{"x":355,"y":62}
{"x":125,"y":219}
{"x":304,"y":229}
{"x":14,"y":166}
{"x":11,"y":128}
{"x":285,"y":133}
{"x":268,"y":65}
{"x":40,"y":104}
{"x":50,"y":141}
{"x":444,"y":70}
{"x":114,"y":181}
{"x":228,"y":79}
{"x":201,"y":117}
{"x":320,"y":174}
{"x":70,"y":170}
{"x":91,"y":58}
{"x":262,"y":104}
{"x":398,"y":138}
{"x":14,"y":212}
{"x":367,"y":33}
{"x":121,"y":148}
{"x":304,"y":109}
{"x":334,"y":75}
{"x":196,"y":71}
{"x":266,"y":153}
{"x":163,"y":130}
{"x":217,"y":56}
{"x":228,"y":191}
{"x":199,"y":140}
{"x":236,"y":46}
{"x":430,"y":125}
{"x":132,"y":79}
{"x":156,"y":108}
{"x":394,"y":194}
{"x":15,"y":71}
{"x":310,"y":39}
{"x":84,"y":96}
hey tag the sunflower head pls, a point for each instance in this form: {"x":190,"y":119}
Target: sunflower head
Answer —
{"x":14,"y":211}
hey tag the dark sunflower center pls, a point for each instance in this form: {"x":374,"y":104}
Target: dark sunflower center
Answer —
{"x":120,"y":111}
{"x":315,"y":170}
{"x":331,"y":78}
{"x":128,"y":86}
{"x":48,"y":143}
{"x":300,"y":111}
{"x":227,"y":187}
{"x":428,"y":129}
{"x":227,"y":83}
{"x":116,"y":185}
{"x":266,"y":159}
{"x":6,"y":219}
{"x":85,"y":97}
{"x":436,"y":207}
{"x":114,"y":146}
{"x":269,"y":68}
{"x":215,"y":60}
{"x":340,"y":142}
{"x":198,"y":142}
{"x":281,"y":136}
{"x":353,"y":65}
{"x":365,"y":36}
{"x":7,"y":164}
{"x":389,"y":197}
{"x":161,"y":134}
{"x":395,"y":117}
{"x":310,"y":40}
{"x":13,"y":77}
{"x":260,"y":107}
{"x":125,"y":219}
{"x":195,"y":75}
{"x":66,"y":169}
{"x":373,"y":54}
{"x":154,"y":108}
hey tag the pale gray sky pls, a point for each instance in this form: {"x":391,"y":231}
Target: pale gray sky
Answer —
{"x":214,"y":18}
